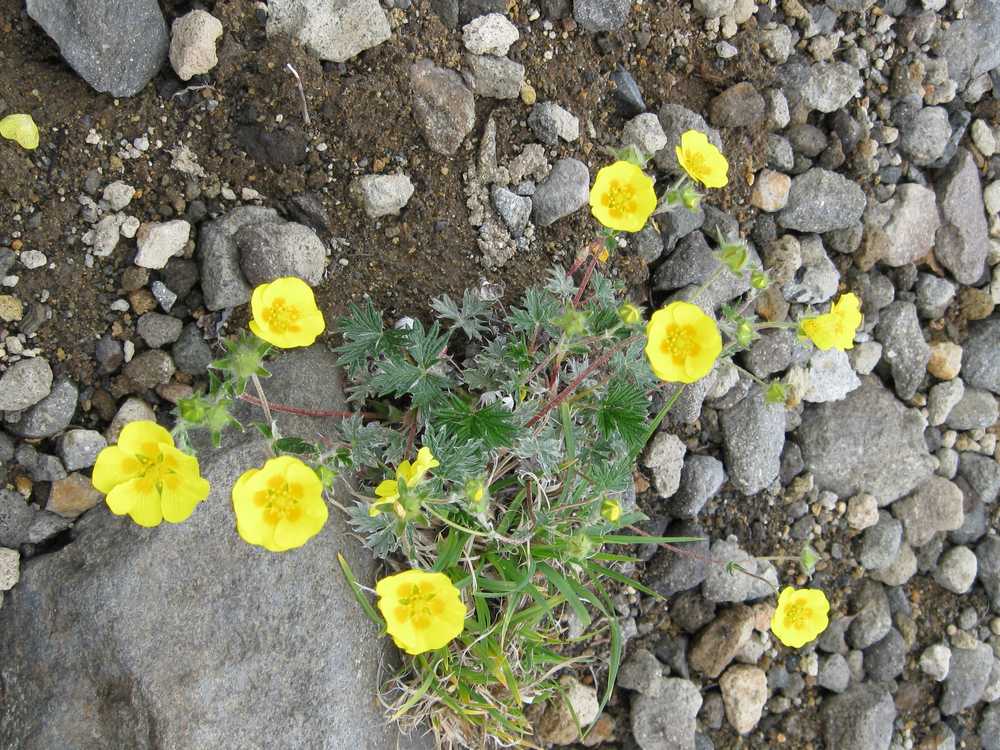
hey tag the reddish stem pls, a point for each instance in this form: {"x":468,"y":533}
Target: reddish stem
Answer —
{"x":585,"y":280}
{"x":303,"y":412}
{"x":580,"y":378}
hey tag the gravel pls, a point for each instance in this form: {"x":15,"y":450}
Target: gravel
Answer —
{"x":740,"y":105}
{"x":563,"y":192}
{"x":873,"y":617}
{"x":936,"y":505}
{"x":443,"y":106}
{"x":980,"y":363}
{"x":656,"y":728}
{"x":192,"y":44}
{"x":753,"y":434}
{"x":51,"y":415}
{"x":904,"y":347}
{"x":334,"y":30}
{"x":912,"y":225}
{"x":491,"y":34}
{"x":116,"y":46}
{"x":830,"y":86}
{"x":879,"y":544}
{"x":744,"y":692}
{"x":665,"y":458}
{"x":886,"y":659}
{"x":926,"y":135}
{"x":977,"y":409}
{"x":159,"y":330}
{"x":601,"y":15}
{"x":967,"y":678}
{"x":24,"y":384}
{"x":494,"y":77}
{"x":700,"y":480}
{"x":956,"y":570}
{"x":821,"y":201}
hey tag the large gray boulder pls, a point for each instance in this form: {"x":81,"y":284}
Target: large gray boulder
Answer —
{"x":116,"y":46}
{"x":184,"y":636}
{"x":869,"y":442}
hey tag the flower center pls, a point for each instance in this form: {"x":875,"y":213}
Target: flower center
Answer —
{"x":619,"y":199}
{"x":679,"y":342}
{"x":797,"y":615}
{"x":157,"y":469}
{"x":280,"y":500}
{"x":419,"y":606}
{"x":695,"y":163}
{"x":282,"y":317}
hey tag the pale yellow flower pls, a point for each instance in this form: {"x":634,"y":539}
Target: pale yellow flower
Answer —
{"x":20,"y":128}
{"x":835,"y":329}
{"x":411,"y":473}
{"x":702,"y":161}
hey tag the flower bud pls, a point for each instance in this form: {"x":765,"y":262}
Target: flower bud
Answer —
{"x":611,"y":511}
{"x":776,"y":393}
{"x":192,"y":409}
{"x":759,"y":280}
{"x":744,"y":334}
{"x":477,"y":495}
{"x":690,"y":197}
{"x":630,"y":314}
{"x":734,"y":256}
{"x":579,"y":546}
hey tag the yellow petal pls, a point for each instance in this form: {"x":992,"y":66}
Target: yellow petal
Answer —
{"x":20,"y":128}
{"x":147,"y":510}
{"x":121,"y":499}
{"x":113,"y":467}
{"x":136,"y":437}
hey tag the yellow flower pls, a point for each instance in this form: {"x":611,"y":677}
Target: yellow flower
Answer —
{"x":835,"y":329}
{"x":145,"y":476}
{"x":422,"y":611}
{"x":412,"y":474}
{"x":20,"y":128}
{"x":622,"y":197}
{"x":800,"y":617}
{"x":285,"y":313}
{"x":701,"y":160}
{"x":611,"y":511}
{"x":279,"y":506}
{"x":630,"y":314}
{"x":682,"y":343}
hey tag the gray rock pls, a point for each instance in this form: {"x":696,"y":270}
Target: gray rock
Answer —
{"x":669,"y":573}
{"x":443,"y":107}
{"x":513,"y":209}
{"x":675,"y":120}
{"x":46,"y":468}
{"x":977,"y":409}
{"x":382,"y":195}
{"x":24,"y":384}
{"x":564,"y":191}
{"x":192,"y":44}
{"x":16,"y":517}
{"x":117,"y":195}
{"x":900,"y":570}
{"x":51,"y":415}
{"x":817,"y":278}
{"x":935,"y":661}
{"x":830,"y":86}
{"x":158,"y":330}
{"x":222,"y":281}
{"x":968,"y":44}
{"x":109,"y":354}
{"x":904,"y":347}
{"x":550,"y":123}
{"x":980,"y":363}
{"x":834,"y":674}
{"x":872,"y":618}
{"x":821,"y":201}
{"x":779,"y":153}
{"x":934,"y":294}
{"x":641,"y":672}
{"x":150,"y":369}
{"x":601,"y":15}
{"x":963,"y":244}
{"x":936,"y":505}
{"x":886,"y":659}
{"x":120,"y":583}
{"x":942,"y":398}
{"x":753,"y":434}
{"x":926,"y":135}
{"x":912,"y":225}
{"x":983,"y":475}
{"x":772,"y":352}
{"x":78,"y":448}
{"x":859,"y":719}
{"x":656,"y":729}
{"x":956,"y":570}
{"x":334,"y":30}
{"x":272,"y":250}
{"x":776,"y":43}
{"x":494,"y":77}
{"x":665,"y":457}
{"x":191,"y":352}
{"x":879,"y":545}
{"x":831,"y":376}
{"x":967,"y":678}
{"x":987,"y":568}
{"x":158,"y":242}
{"x":491,"y":34}
{"x":645,"y":133}
{"x":714,"y":8}
{"x":116,"y":46}
{"x":700,"y":480}
{"x":692,"y":264}
{"x":722,"y":586}
{"x":738,"y":106}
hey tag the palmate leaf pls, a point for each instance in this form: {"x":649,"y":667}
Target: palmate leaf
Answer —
{"x":539,"y":310}
{"x":493,"y":425}
{"x":623,"y":410}
{"x":472,"y":317}
{"x":426,"y":346}
{"x":365,"y":338}
{"x":401,"y":378}
{"x":459,"y":459}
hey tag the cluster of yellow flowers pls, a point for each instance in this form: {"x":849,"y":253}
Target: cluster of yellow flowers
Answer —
{"x":278,"y":506}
